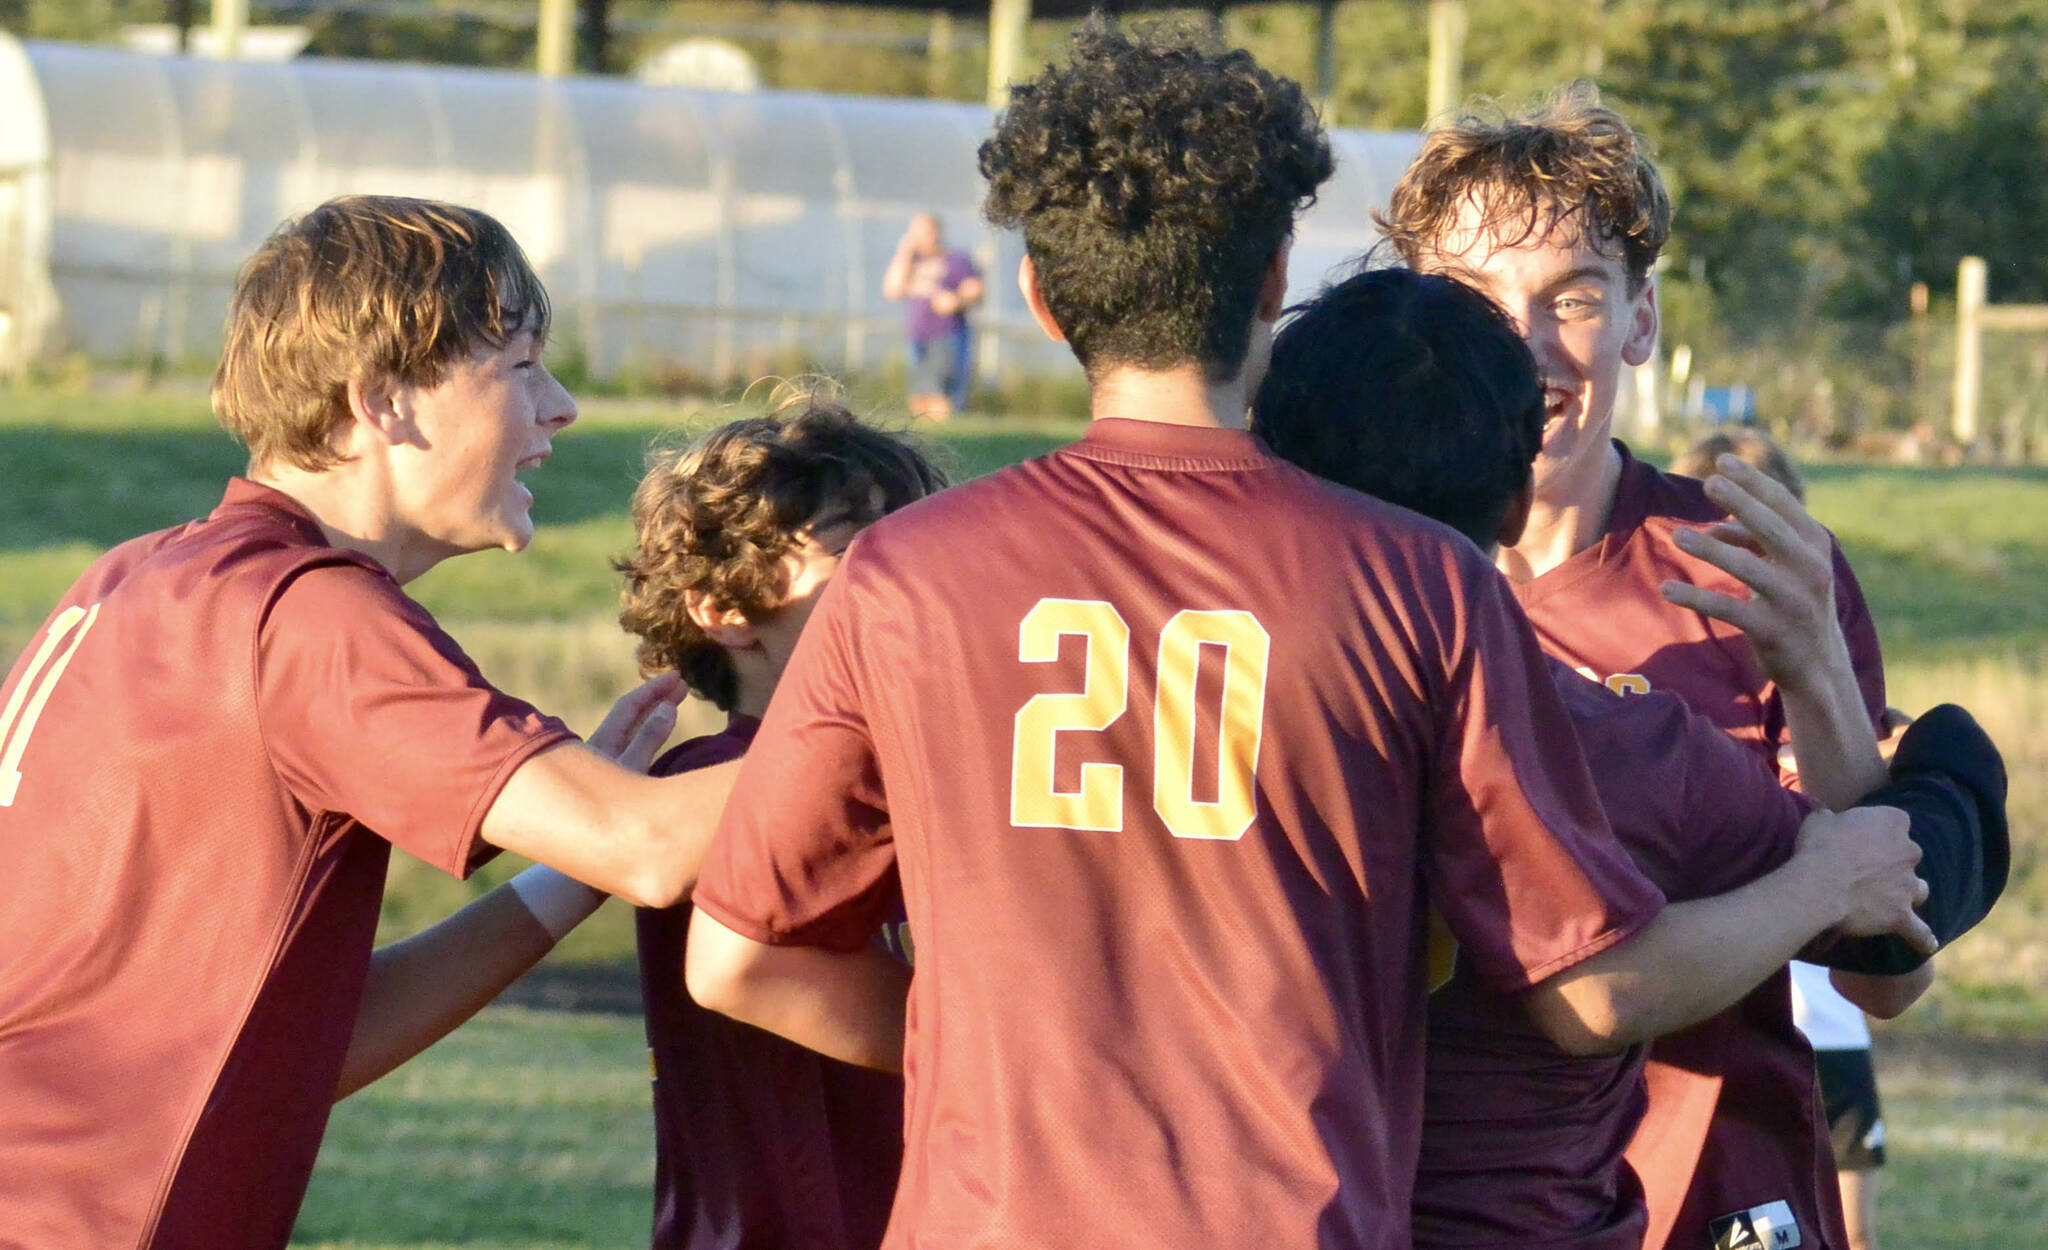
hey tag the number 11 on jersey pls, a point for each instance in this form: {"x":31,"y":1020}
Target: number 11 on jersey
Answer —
{"x":25,"y":705}
{"x":1104,"y":695}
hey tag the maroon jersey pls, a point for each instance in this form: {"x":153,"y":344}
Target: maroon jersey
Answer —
{"x":759,"y":1144}
{"x":194,"y":753}
{"x":1734,"y":1121}
{"x":1173,"y":742}
{"x":1522,"y":1144}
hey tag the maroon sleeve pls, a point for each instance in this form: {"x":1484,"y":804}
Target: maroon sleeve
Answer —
{"x":369,"y":708}
{"x":1522,"y":864}
{"x":804,"y":854}
{"x":1739,"y":823}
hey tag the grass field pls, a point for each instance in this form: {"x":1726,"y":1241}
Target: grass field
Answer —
{"x":530,"y":1130}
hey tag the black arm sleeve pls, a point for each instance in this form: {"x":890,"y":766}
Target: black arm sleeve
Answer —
{"x":1950,"y":779}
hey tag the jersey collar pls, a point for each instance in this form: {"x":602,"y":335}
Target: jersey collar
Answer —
{"x":1181,"y":446}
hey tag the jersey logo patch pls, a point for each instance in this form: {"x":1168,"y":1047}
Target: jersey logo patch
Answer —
{"x":1768,"y":1227}
{"x":1619,"y":683}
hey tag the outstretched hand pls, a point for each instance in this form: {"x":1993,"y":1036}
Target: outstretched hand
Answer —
{"x":1771,"y":544}
{"x":640,"y":722}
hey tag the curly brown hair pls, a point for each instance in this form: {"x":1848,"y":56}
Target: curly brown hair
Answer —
{"x":1570,"y":159}
{"x":362,"y":285}
{"x":1154,"y":178}
{"x":716,"y":518}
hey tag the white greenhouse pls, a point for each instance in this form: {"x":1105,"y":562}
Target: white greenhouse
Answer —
{"x":708,"y":234}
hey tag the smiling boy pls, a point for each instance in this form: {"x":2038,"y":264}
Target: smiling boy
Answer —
{"x":1559,"y":216}
{"x":223,"y":728}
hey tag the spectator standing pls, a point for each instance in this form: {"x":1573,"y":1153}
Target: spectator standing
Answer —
{"x":940,"y":286}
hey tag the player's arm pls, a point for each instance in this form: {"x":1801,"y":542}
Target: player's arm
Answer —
{"x":845,"y":1004}
{"x":421,"y":988}
{"x":1885,"y":997}
{"x":641,"y":838}
{"x":1950,"y":777}
{"x":970,"y":291}
{"x":1786,"y":558}
{"x":1852,"y":873}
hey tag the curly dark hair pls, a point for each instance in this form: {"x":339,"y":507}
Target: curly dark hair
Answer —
{"x":1570,"y":159}
{"x":1154,"y":177}
{"x":1413,"y":388}
{"x":716,"y":518}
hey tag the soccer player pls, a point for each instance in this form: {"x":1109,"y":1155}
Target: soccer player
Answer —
{"x":1416,"y":389}
{"x":1170,"y":743}
{"x":758,"y":1141}
{"x":1558,"y":216}
{"x":214,"y":741}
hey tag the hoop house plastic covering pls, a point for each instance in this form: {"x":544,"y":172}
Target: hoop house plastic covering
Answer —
{"x":679,"y":231}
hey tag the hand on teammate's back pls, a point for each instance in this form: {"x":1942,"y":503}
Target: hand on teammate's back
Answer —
{"x":1772,"y":544}
{"x":1867,"y":857}
{"x":639,"y":724}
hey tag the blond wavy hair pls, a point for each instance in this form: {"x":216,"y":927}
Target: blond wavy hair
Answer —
{"x":1569,"y":161}
{"x":362,"y":287}
{"x":716,"y":518}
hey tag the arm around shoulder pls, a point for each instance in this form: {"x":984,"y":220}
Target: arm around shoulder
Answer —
{"x":641,"y":838}
{"x":1852,"y":871}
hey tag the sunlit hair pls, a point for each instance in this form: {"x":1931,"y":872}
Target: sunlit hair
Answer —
{"x":717,"y":517}
{"x":1154,"y":177}
{"x":1570,"y":162}
{"x":1753,"y":447}
{"x":362,"y":287}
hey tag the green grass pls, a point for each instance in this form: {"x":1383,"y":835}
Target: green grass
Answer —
{"x":525,"y":1129}
{"x":529,"y":1130}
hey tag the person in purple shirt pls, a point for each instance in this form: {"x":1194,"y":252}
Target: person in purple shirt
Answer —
{"x":940,"y":286}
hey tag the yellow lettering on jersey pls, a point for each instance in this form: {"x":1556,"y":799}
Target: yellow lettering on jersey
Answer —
{"x":1247,"y":649}
{"x":1440,"y":952}
{"x":25,"y":705}
{"x":1629,"y":683}
{"x":1105,"y":689}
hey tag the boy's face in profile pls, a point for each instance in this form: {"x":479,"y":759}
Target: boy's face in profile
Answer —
{"x":491,"y":418}
{"x":807,"y":567}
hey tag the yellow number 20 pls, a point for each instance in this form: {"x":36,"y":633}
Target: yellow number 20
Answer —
{"x":25,"y":705}
{"x":1098,"y":804}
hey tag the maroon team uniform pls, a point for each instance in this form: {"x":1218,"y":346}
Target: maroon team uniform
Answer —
{"x":1172,"y":743}
{"x":1734,"y":1121}
{"x":208,"y":753}
{"x":1521,"y":1144}
{"x":759,"y":1144}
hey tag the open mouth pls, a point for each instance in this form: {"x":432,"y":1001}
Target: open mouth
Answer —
{"x":528,"y":465}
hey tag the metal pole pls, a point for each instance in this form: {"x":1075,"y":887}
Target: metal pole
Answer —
{"x":597,"y":36}
{"x":230,"y":19}
{"x":555,"y":45}
{"x":938,"y":63}
{"x":1446,"y":56}
{"x":1008,"y":22}
{"x":1972,"y":280}
{"x":1326,"y":60}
